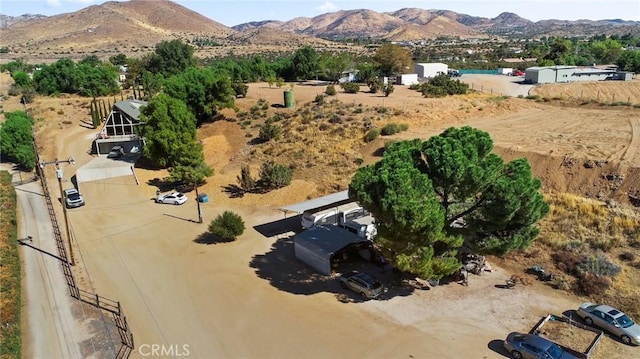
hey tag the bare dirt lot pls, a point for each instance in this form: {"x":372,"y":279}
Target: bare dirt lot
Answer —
{"x":252,"y":299}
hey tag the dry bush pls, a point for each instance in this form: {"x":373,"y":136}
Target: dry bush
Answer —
{"x":590,"y":284}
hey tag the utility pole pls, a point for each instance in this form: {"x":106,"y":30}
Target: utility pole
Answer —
{"x":56,"y":162}
{"x":198,"y":203}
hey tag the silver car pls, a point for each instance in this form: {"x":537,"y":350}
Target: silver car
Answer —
{"x":612,"y":320}
{"x":362,"y":283}
{"x":529,"y":346}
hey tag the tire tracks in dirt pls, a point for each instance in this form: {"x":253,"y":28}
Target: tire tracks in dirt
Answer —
{"x":633,"y":148}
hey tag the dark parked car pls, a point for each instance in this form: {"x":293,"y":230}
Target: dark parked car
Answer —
{"x":116,"y":152}
{"x":362,"y":283}
{"x":529,"y":346}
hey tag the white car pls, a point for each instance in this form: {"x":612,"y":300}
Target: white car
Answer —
{"x":73,"y":198}
{"x":171,"y":198}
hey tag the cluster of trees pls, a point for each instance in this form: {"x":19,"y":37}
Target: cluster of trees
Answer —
{"x":440,"y":86}
{"x":427,"y":195}
{"x":16,"y":140}
{"x":599,"y":50}
{"x":88,"y":77}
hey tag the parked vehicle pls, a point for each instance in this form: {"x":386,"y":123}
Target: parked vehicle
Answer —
{"x":73,"y":198}
{"x":364,"y":227}
{"x":362,"y":283}
{"x":516,"y":73}
{"x":529,"y":346}
{"x":116,"y":152}
{"x":171,"y":198}
{"x":330,"y":215}
{"x":612,"y":320}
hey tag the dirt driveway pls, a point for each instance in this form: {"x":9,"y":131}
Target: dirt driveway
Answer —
{"x":500,"y":85}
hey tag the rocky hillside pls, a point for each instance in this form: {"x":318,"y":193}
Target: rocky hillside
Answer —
{"x":414,"y":23}
{"x":113,"y":26}
{"x":136,"y":26}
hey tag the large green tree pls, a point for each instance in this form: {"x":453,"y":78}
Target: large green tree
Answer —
{"x":409,"y":218}
{"x":205,"y":91}
{"x":169,"y":130}
{"x":392,"y":59}
{"x":426,"y":195}
{"x":629,"y":61}
{"x":305,"y":63}
{"x":171,"y":58}
{"x":16,"y":141}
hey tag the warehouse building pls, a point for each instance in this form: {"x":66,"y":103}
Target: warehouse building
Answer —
{"x":561,"y":73}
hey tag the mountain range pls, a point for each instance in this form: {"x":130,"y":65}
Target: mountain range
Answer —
{"x":138,"y":24}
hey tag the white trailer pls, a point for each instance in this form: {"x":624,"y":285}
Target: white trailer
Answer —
{"x":505,"y":70}
{"x":407,"y":79}
{"x":431,"y":69}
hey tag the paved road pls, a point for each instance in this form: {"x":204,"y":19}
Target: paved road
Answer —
{"x":51,"y":329}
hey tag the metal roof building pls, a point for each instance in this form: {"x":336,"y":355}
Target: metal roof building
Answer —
{"x":317,"y":246}
{"x":561,"y":73}
{"x":319,"y":203}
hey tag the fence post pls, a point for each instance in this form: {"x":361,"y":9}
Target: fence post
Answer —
{"x":598,"y":97}
{"x":614,"y":98}
{"x":97,"y":300}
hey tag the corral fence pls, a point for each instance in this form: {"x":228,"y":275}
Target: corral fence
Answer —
{"x":582,"y":355}
{"x":102,"y":303}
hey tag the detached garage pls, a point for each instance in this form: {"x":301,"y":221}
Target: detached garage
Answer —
{"x":317,"y":246}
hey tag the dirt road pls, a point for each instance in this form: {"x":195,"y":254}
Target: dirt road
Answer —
{"x":52,"y":331}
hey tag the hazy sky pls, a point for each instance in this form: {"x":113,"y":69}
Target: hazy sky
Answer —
{"x":234,"y":12}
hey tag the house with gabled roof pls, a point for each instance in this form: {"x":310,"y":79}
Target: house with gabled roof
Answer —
{"x":120,"y":128}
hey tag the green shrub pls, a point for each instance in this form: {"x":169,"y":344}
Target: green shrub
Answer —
{"x":331,"y":90}
{"x":245,"y":181}
{"x":599,"y":265}
{"x":393,"y":128}
{"x":240,"y":89}
{"x":350,"y":87}
{"x":372,"y":134}
{"x":375,"y":85}
{"x":388,"y":89}
{"x":319,"y":99}
{"x":269,"y":131}
{"x":442,"y":85}
{"x":273,"y":175}
{"x":227,"y":226}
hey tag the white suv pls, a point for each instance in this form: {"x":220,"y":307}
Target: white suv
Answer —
{"x":73,"y":198}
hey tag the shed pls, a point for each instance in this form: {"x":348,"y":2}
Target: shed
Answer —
{"x":407,"y":79}
{"x":316,"y":246}
{"x":432,"y":69}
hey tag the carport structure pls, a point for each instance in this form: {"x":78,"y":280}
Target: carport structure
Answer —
{"x":317,"y":246}
{"x":319,"y":204}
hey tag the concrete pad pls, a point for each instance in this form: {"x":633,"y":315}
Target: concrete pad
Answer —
{"x":102,"y":168}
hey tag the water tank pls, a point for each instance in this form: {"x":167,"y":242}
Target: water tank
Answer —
{"x":289,"y":101}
